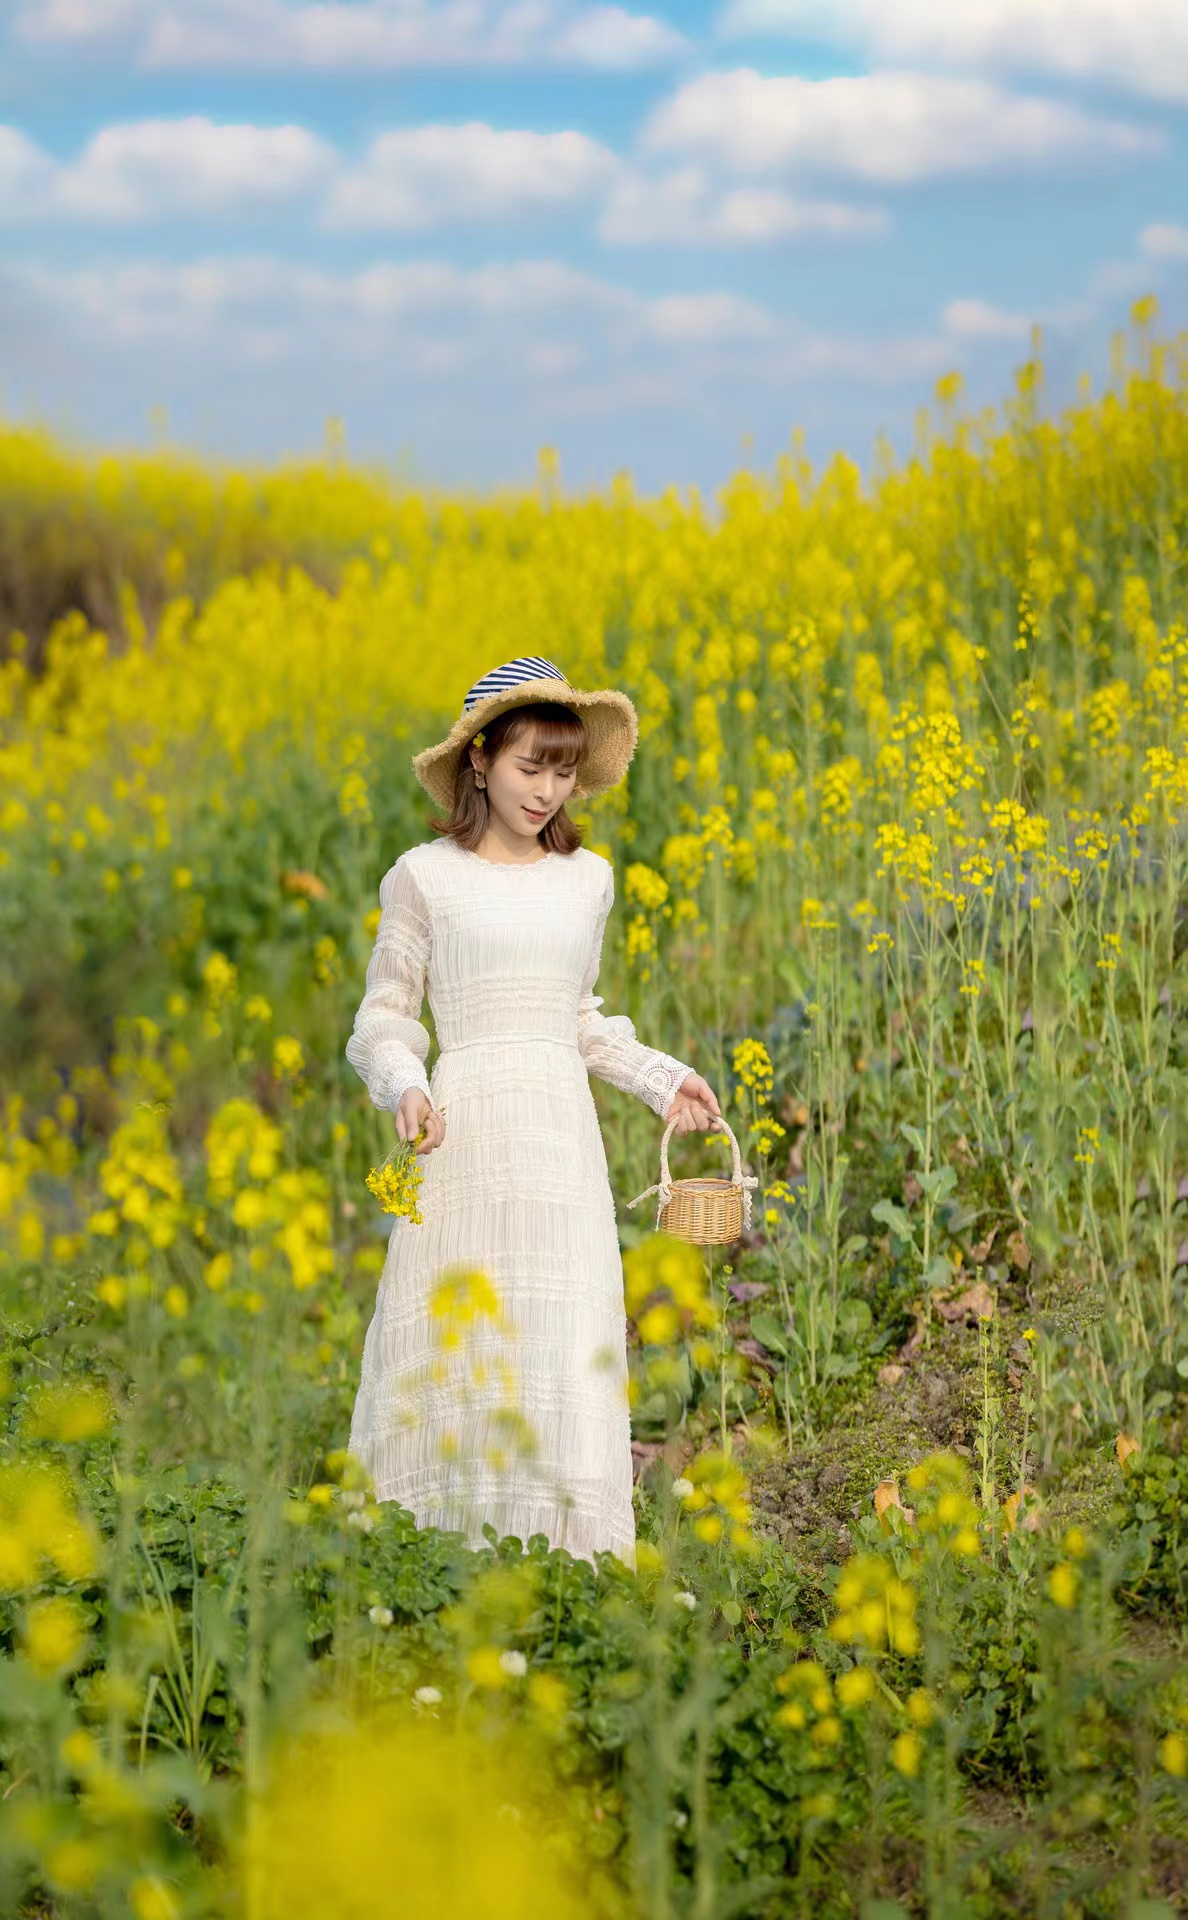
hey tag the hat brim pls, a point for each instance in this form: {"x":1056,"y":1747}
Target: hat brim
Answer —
{"x":609,"y":717}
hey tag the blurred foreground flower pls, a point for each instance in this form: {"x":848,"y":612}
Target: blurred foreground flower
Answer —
{"x":41,"y":1525}
{"x":664,"y":1285}
{"x":875,"y":1608}
{"x":456,"y":1823}
{"x":720,"y":1500}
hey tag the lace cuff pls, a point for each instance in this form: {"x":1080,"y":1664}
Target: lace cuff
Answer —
{"x":658,"y":1079}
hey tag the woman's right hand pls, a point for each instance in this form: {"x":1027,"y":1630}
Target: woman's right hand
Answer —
{"x":415,"y":1112}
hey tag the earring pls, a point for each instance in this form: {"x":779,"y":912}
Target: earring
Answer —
{"x":480,"y":781}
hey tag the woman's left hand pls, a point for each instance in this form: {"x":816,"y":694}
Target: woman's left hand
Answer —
{"x":694,"y":1105}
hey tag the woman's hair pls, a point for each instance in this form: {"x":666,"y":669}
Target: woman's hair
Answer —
{"x":557,"y":737}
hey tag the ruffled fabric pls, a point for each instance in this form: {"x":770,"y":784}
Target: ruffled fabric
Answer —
{"x":388,"y":1046}
{"x":525,"y":1424}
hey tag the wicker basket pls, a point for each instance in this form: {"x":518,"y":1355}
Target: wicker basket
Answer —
{"x":711,"y":1213}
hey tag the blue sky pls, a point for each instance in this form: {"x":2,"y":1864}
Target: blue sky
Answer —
{"x":657,"y":238}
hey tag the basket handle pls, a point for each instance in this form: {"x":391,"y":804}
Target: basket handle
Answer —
{"x":663,"y":1187}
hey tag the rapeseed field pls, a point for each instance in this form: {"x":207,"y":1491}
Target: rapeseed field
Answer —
{"x":902,"y":866}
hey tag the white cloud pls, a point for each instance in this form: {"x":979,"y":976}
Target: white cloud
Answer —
{"x":358,"y":35}
{"x":541,"y":318}
{"x":686,"y":208}
{"x":418,"y":177}
{"x":27,"y":176}
{"x":1138,"y":45}
{"x":409,"y":179}
{"x":153,"y":167}
{"x":978,"y":320}
{"x":616,"y":41}
{"x":218,"y":297}
{"x":150,"y":169}
{"x":707,"y":317}
{"x":1163,"y":241}
{"x":893,"y":128}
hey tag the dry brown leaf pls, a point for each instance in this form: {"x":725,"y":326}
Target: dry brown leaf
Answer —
{"x":886,"y":1496}
{"x":981,"y":1253}
{"x":1018,"y":1252}
{"x":890,"y":1375}
{"x":1124,"y":1447}
{"x":977,"y":1301}
{"x":299,"y":880}
{"x":911,"y":1190}
{"x":1010,"y":1509}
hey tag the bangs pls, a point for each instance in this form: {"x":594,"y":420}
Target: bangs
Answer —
{"x":556,"y":739}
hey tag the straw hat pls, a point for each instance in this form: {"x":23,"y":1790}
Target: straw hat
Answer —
{"x":609,"y":717}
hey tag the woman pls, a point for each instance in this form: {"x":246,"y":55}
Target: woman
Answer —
{"x":524,"y":1423}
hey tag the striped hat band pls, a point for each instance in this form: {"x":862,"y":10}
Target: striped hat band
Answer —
{"x":513,"y":674}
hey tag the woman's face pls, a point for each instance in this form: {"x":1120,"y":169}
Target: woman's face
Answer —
{"x":525,"y":794}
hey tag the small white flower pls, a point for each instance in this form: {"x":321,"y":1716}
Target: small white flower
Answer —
{"x":686,"y":1600}
{"x":682,"y":1488}
{"x":361,"y":1519}
{"x":679,"y":1817}
{"x":514,"y":1663}
{"x":380,"y":1616}
{"x":427,"y":1697}
{"x":353,"y":1497}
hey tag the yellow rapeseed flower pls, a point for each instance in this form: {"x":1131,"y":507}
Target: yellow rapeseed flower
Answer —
{"x":1063,"y":1584}
{"x":54,"y":1634}
{"x":907,"y":1751}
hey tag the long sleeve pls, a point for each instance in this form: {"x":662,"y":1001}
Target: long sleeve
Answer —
{"x":608,"y":1043}
{"x":388,"y":1045}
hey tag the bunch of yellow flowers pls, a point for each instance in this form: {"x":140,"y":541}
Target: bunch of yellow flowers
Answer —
{"x":396,"y":1182}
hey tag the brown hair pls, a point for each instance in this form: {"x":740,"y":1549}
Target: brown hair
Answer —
{"x":558,"y":737}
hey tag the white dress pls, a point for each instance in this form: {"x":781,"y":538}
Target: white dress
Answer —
{"x":525,"y":1425}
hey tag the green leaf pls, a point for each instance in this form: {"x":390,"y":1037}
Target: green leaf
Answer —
{"x":938,"y":1184}
{"x":854,"y":1317}
{"x":730,"y":1610}
{"x":767,"y":1330}
{"x":913,"y":1135}
{"x":839,"y":1366}
{"x":1182,"y":1366}
{"x":893,"y":1217}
